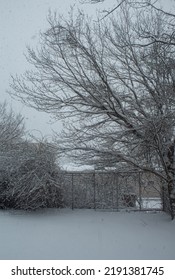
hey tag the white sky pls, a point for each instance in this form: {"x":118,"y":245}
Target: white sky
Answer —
{"x":20,"y":23}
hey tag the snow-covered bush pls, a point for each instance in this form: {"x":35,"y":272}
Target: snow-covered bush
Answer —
{"x":34,"y":181}
{"x":4,"y":193}
{"x":29,"y":175}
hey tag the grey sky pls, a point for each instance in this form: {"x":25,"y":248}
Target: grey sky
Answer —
{"x":20,"y":23}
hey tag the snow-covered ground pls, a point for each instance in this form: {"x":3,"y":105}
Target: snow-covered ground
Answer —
{"x":86,"y":234}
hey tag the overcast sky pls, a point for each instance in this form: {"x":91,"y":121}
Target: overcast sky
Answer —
{"x":20,"y":24}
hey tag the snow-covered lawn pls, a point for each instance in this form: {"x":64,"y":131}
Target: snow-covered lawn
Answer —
{"x":86,"y":234}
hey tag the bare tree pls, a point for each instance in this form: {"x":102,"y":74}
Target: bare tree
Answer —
{"x":116,"y":81}
{"x":154,"y":4}
{"x":11,"y":126}
{"x":106,"y":12}
{"x":11,"y":133}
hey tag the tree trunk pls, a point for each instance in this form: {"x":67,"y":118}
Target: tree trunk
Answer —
{"x":171,"y":179}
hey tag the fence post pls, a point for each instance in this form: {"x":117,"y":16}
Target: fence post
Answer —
{"x":94,"y":190}
{"x":113,"y":181}
{"x":117,"y":182}
{"x":140,"y":193}
{"x":72,"y":191}
{"x":163,"y":196}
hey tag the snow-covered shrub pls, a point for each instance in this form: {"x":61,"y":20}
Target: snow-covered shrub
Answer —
{"x":39,"y":177}
{"x":4,"y":193}
{"x":33,"y":181}
{"x":29,"y":175}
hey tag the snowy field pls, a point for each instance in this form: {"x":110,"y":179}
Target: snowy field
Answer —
{"x":86,"y":234}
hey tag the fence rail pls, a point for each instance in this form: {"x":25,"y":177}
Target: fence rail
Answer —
{"x":113,"y":191}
